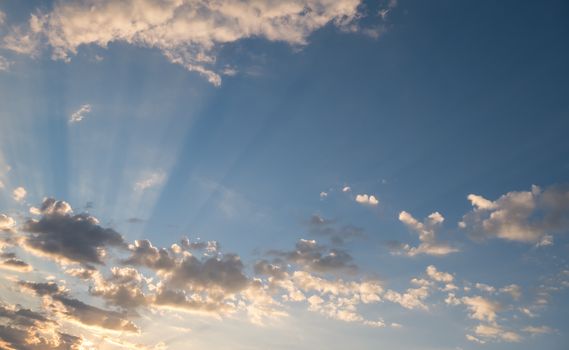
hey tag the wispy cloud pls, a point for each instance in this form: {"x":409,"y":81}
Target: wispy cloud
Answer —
{"x":80,"y":114}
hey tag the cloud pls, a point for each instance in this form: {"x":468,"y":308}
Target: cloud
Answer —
{"x":4,"y":64}
{"x":123,"y":288}
{"x":514,"y":290}
{"x":80,"y":114}
{"x":150,"y":180}
{"x":76,"y":310}
{"x":11,"y":262}
{"x":367,"y":199}
{"x":346,"y":189}
{"x":19,"y":193}
{"x":411,"y":299}
{"x":481,"y":308}
{"x":335,"y":299}
{"x":495,"y":332}
{"x":314,"y":257}
{"x":320,"y":226}
{"x":427,"y":231}
{"x":323,"y":194}
{"x":525,"y":216}
{"x":30,"y":330}
{"x":188,"y":33}
{"x":66,"y":237}
{"x":439,"y":276}
{"x":6,"y":222}
{"x":538,"y":330}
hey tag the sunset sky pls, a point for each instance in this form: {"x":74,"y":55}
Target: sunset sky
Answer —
{"x":271,"y":174}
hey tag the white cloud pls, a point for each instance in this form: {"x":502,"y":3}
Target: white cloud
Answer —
{"x":186,"y":32}
{"x":439,"y":276}
{"x":346,"y":189}
{"x":19,"y":194}
{"x":412,"y":298}
{"x":427,"y":231}
{"x":80,"y":114}
{"x":525,"y":216}
{"x":481,"y":308}
{"x":367,"y":199}
{"x":150,"y":180}
{"x":323,"y":194}
{"x":495,"y":332}
{"x":6,"y":222}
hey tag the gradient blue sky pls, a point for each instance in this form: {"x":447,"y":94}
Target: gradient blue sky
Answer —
{"x":258,"y":135}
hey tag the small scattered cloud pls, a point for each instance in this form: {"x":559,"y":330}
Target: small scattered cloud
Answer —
{"x":427,"y":231}
{"x":19,"y":193}
{"x":4,"y":64}
{"x":367,"y":199}
{"x":80,"y":114}
{"x":6,"y":222}
{"x":150,"y":180}
{"x":323,"y":194}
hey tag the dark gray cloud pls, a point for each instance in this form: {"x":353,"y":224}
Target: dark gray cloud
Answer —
{"x":61,"y":235}
{"x":123,"y":288}
{"x":63,"y":304}
{"x":317,"y":258}
{"x":24,"y":329}
{"x":225,"y":273}
{"x":179,"y":299}
{"x":273,"y":269}
{"x":143,"y":253}
{"x":338,"y":234}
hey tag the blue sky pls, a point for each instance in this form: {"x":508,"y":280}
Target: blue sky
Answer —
{"x":386,"y":174}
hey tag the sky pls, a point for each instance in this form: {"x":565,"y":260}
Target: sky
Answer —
{"x":259,"y":174}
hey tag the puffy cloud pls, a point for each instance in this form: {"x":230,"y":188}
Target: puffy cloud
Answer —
{"x":524,"y":216}
{"x":367,"y":199}
{"x":439,"y":276}
{"x":150,"y":180}
{"x":6,"y":222}
{"x":80,"y":114}
{"x":412,"y":299}
{"x":66,"y":237}
{"x":212,"y":274}
{"x":495,"y":332}
{"x":323,"y":194}
{"x":427,"y":235}
{"x":186,"y":32}
{"x":145,"y":254}
{"x":310,"y":255}
{"x":30,"y":330}
{"x":346,"y":189}
{"x":69,"y":308}
{"x":481,"y":308}
{"x":19,"y":193}
{"x":123,"y":288}
{"x":335,"y":299}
